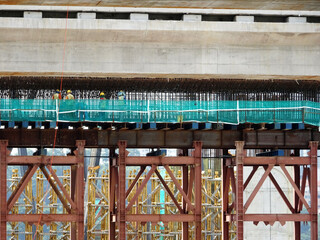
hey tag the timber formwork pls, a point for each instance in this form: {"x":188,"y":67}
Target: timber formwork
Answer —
{"x":73,"y":202}
{"x":234,"y":211}
{"x":189,"y":211}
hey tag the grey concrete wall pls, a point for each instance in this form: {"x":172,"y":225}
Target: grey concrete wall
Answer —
{"x":269,"y":201}
{"x":104,"y":47}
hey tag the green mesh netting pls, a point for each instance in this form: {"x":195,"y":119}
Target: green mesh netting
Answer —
{"x":96,"y":110}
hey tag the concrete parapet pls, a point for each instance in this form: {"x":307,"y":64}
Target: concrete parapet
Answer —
{"x":192,"y":18}
{"x":244,"y":18}
{"x":139,"y":16}
{"x":28,"y":14}
{"x":296,"y":19}
{"x":86,"y":15}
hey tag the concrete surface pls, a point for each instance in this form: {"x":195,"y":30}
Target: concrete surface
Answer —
{"x":148,"y":48}
{"x":269,"y":201}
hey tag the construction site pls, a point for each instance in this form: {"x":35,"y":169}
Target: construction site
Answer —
{"x":159,"y":120}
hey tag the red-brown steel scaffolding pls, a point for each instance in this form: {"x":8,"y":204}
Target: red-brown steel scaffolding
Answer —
{"x":235,"y":211}
{"x":73,"y":203}
{"x":119,"y":193}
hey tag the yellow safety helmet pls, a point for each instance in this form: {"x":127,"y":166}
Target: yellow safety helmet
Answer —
{"x":57,"y":91}
{"x":69,"y":91}
{"x":102,"y":94}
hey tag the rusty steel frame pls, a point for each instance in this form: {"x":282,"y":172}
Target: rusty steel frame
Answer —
{"x":235,"y":210}
{"x":119,"y":194}
{"x":74,"y":203}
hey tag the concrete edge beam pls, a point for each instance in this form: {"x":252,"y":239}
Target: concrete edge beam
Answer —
{"x":192,"y":18}
{"x":162,"y":10}
{"x":32,"y":14}
{"x":86,"y":15}
{"x":139,"y":16}
{"x":296,"y":19}
{"x":244,"y":18}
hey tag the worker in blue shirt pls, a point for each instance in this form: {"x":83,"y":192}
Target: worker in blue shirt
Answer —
{"x":121,"y":95}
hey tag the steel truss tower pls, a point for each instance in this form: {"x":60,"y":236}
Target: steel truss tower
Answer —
{"x":235,"y":211}
{"x":73,"y":202}
{"x":189,"y":211}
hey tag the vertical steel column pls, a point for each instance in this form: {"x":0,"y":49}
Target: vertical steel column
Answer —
{"x":297,"y":225}
{"x":73,"y":180}
{"x":239,"y":189}
{"x":112,"y":194}
{"x":313,"y":189}
{"x":225,"y":199}
{"x":198,"y":188}
{"x":80,"y":188}
{"x":185,"y":180}
{"x":3,"y":189}
{"x":122,"y":190}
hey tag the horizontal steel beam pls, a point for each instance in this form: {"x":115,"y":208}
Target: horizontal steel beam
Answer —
{"x":289,"y":161}
{"x":211,"y":139}
{"x":159,"y":161}
{"x":42,"y":218}
{"x":45,"y":160}
{"x":277,"y":217}
{"x":160,"y":218}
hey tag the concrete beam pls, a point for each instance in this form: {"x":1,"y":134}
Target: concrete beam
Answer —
{"x":215,"y":11}
{"x":151,"y":48}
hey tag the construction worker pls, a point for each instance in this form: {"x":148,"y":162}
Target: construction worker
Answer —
{"x":57,"y":95}
{"x":121,"y":95}
{"x":102,"y":96}
{"x":102,"y":106}
{"x":69,"y":95}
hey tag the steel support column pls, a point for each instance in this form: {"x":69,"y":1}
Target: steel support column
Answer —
{"x":112,"y":194}
{"x":198,"y":187}
{"x":73,"y":203}
{"x":239,"y":189}
{"x":225,"y":185}
{"x":3,"y":189}
{"x":314,"y":190}
{"x":297,"y":225}
{"x":268,"y":163}
{"x":185,"y":181}
{"x":122,"y":190}
{"x":185,"y":190}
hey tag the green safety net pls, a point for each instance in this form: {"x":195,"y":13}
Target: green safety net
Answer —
{"x":146,"y":111}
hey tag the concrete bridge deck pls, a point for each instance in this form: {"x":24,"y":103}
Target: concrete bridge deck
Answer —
{"x":33,"y":44}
